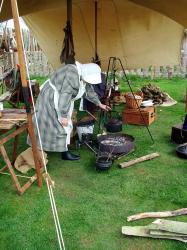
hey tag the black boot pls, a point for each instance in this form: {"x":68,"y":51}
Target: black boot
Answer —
{"x":67,"y":155}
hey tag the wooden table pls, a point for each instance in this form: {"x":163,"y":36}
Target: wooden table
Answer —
{"x":13,"y":121}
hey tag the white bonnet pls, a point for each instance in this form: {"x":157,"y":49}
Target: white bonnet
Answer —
{"x":89,"y":72}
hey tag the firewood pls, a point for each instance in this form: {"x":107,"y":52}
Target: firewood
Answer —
{"x":139,"y":216}
{"x":138,"y":160}
{"x":153,"y":92}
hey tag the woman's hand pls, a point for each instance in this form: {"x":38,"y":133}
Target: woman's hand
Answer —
{"x":64,"y":122}
{"x":104,"y":107}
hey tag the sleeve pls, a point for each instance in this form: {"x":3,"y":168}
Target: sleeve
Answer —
{"x":91,"y":96}
{"x":64,"y":104}
{"x":70,"y":85}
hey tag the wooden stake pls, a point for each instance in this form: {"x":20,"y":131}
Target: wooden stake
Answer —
{"x":181,"y":211}
{"x":25,"y":85}
{"x":138,"y":160}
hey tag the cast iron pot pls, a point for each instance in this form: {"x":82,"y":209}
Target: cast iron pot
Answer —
{"x":181,"y":151}
{"x":103,"y":163}
{"x":114,"y":126}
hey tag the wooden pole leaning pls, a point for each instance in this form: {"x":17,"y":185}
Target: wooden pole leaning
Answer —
{"x":25,"y":89}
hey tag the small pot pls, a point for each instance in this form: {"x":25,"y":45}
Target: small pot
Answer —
{"x":181,"y":151}
{"x":103,"y":163}
{"x":114,"y":126}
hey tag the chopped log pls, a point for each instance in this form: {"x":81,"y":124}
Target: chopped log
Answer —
{"x":138,"y":160}
{"x":139,"y":216}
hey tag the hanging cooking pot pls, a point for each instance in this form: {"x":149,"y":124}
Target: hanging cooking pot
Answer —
{"x":114,"y":125}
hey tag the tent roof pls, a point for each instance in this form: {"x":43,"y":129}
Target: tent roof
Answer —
{"x":128,"y":30}
{"x":173,"y":9}
{"x":176,"y":10}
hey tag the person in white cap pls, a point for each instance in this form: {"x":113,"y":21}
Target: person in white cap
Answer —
{"x":55,"y":105}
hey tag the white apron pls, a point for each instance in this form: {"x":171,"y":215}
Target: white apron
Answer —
{"x":81,"y":92}
{"x":69,"y":128}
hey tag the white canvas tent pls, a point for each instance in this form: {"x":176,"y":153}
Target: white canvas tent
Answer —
{"x":131,"y":30}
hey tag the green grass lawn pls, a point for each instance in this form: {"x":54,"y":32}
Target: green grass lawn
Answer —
{"x":94,"y":206}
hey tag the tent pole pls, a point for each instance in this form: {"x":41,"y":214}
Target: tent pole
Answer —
{"x":69,"y":12}
{"x":25,"y":88}
{"x":96,"y":54}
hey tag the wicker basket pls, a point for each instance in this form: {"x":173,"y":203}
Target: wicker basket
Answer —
{"x":132,"y":102}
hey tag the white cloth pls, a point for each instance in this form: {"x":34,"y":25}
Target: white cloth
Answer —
{"x":56,"y":96}
{"x":89,"y":72}
{"x":69,"y":128}
{"x":25,"y":161}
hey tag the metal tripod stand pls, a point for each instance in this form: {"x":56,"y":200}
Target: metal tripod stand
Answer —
{"x":112,"y":67}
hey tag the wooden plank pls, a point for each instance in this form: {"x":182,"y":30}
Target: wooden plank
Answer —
{"x":144,"y":231}
{"x":171,"y":226}
{"x":12,"y":115}
{"x":7,"y":125}
{"x":138,"y":160}
{"x":165,"y":233}
{"x":17,"y":119}
{"x":139,"y":216}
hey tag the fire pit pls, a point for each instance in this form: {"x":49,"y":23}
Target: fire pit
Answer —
{"x":116,"y":143}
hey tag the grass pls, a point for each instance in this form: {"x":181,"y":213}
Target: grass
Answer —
{"x":94,"y":206}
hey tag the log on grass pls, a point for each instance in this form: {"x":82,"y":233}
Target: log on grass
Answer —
{"x":138,"y":160}
{"x":139,"y":216}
